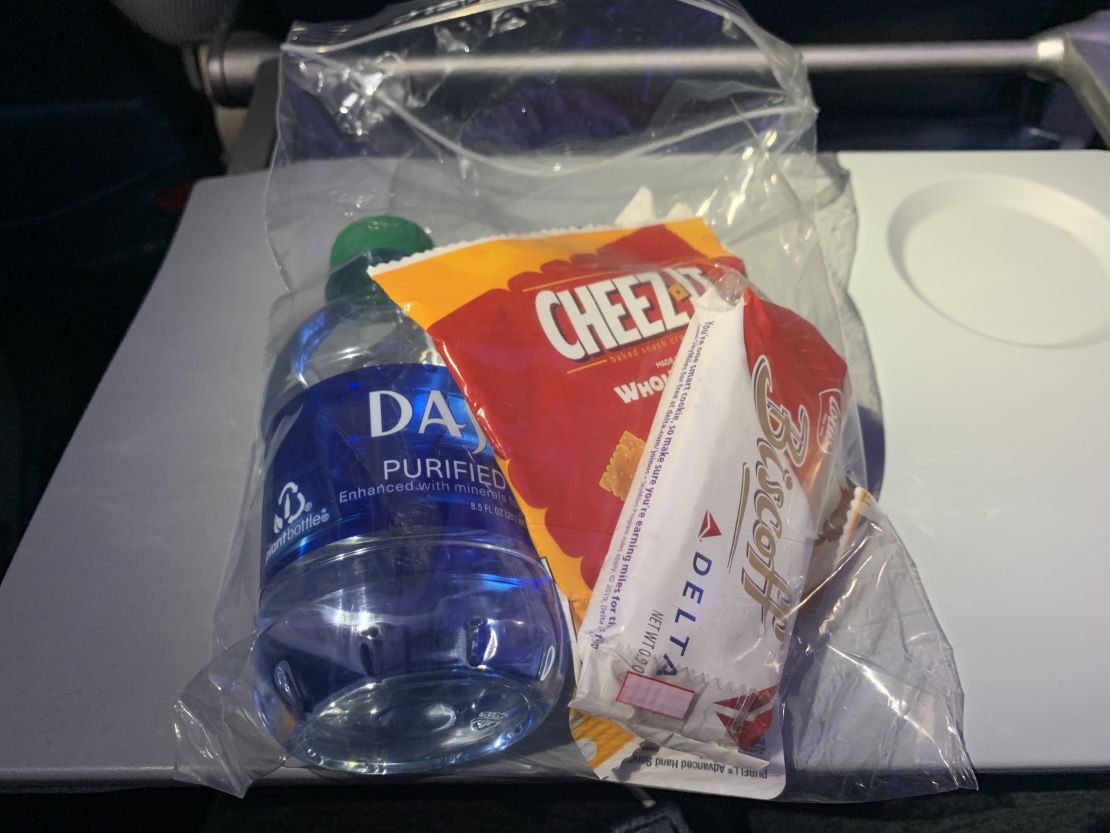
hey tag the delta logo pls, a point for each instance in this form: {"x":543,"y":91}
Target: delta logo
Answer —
{"x":709,"y":528}
{"x":747,"y":718}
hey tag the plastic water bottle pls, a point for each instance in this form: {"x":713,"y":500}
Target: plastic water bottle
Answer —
{"x":405,"y":621}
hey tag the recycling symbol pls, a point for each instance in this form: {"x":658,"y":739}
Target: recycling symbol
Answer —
{"x":291,"y":505}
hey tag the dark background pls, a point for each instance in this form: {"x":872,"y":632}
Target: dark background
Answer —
{"x":1015,"y":804}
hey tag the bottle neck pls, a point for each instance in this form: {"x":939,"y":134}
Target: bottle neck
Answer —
{"x":353,"y":278}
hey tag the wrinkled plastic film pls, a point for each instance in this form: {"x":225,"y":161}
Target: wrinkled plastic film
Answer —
{"x":871,"y":699}
{"x":868,"y":643}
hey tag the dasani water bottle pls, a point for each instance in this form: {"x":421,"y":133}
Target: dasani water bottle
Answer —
{"x":405,"y":621}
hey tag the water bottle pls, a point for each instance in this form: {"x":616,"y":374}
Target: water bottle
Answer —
{"x":405,"y":621}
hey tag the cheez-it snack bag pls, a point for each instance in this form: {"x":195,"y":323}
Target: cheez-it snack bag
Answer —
{"x":562,"y":345}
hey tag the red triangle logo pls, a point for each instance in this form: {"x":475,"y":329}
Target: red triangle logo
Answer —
{"x":709,"y":527}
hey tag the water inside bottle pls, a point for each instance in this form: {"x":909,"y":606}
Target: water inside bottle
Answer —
{"x":404,"y":631}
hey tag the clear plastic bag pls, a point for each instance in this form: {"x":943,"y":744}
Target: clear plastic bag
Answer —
{"x":480,"y":120}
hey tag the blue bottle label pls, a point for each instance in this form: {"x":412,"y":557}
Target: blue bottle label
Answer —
{"x":380,"y":451}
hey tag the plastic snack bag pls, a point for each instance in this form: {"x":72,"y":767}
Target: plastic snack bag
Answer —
{"x":580,"y":180}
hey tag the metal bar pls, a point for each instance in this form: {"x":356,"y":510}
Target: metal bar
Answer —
{"x":1078,"y":55}
{"x":254,"y":146}
{"x":1084,"y":65}
{"x":988,"y":56}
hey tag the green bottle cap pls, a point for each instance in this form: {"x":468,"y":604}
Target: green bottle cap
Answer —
{"x":366,"y":242}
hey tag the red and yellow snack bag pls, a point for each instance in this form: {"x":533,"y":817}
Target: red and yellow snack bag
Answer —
{"x":562,"y":345}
